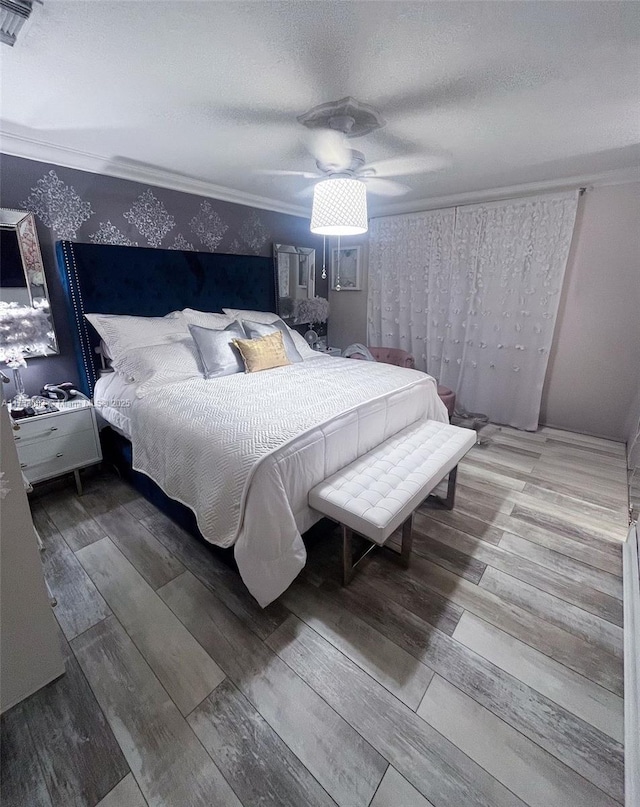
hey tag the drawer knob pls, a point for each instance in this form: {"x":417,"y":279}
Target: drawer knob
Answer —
{"x":53,"y":429}
{"x":16,"y":439}
{"x":59,"y":454}
{"x":23,"y":465}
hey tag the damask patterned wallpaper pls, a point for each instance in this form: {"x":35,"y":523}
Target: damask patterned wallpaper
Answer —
{"x":100,"y":209}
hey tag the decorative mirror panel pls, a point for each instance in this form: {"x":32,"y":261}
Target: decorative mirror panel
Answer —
{"x":26,"y":324}
{"x":296,"y":274}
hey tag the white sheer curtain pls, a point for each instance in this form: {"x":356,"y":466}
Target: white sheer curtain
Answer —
{"x":410,"y":280}
{"x":473,"y":294}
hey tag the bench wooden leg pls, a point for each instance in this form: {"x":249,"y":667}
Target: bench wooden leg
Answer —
{"x":407,"y":541}
{"x":450,"y":500}
{"x":451,"y":489}
{"x":348,"y":566}
{"x":347,"y":555}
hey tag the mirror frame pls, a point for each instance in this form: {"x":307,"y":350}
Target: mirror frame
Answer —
{"x":289,"y":249}
{"x":23,"y":223}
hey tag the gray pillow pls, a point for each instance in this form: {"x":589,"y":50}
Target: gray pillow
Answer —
{"x":218,"y":356}
{"x":257,"y":329}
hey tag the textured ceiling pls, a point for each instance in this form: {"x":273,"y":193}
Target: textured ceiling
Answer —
{"x":503,"y":93}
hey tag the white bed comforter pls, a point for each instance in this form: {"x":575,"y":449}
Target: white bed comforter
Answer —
{"x":243,"y":451}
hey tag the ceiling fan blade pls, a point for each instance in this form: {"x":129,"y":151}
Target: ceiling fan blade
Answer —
{"x":282,"y":173}
{"x":330,"y":148}
{"x":385,"y":187}
{"x":305,"y":193}
{"x":248,"y":115}
{"x":407,"y":166}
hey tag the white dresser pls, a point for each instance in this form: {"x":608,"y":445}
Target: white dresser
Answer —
{"x":59,"y":442}
{"x":30,"y":651}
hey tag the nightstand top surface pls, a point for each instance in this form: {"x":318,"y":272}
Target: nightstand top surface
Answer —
{"x":64,"y":407}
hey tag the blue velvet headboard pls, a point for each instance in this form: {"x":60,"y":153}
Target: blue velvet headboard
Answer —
{"x":107,"y":279}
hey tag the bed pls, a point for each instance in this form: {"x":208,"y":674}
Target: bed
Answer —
{"x":240,"y":452}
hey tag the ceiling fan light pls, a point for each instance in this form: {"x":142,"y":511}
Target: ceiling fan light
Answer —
{"x":339,"y":207}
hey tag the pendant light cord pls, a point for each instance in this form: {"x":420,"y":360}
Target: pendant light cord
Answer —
{"x":324,"y":257}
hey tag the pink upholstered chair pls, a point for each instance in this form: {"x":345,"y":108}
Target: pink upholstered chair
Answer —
{"x":389,"y":355}
{"x":399,"y":357}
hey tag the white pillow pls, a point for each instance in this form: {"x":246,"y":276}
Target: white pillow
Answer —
{"x":207,"y":319}
{"x":264,"y":317}
{"x":302,"y":346}
{"x":153,"y":366}
{"x":123,"y":333}
{"x":267,"y":318}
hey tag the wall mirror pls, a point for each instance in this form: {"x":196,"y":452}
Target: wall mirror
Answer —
{"x":26,"y":323}
{"x":296,"y":274}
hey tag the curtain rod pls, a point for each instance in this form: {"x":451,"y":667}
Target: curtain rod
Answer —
{"x":581,"y":191}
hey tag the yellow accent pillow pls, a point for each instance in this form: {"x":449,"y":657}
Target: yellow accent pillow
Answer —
{"x":263,"y":353}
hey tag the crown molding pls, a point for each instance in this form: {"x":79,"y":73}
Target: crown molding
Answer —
{"x":617,"y":176}
{"x":40,"y":151}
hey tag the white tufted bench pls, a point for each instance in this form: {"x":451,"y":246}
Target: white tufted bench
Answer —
{"x":380,"y":490}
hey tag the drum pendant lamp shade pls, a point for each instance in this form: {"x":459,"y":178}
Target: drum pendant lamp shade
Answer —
{"x":339,"y":207}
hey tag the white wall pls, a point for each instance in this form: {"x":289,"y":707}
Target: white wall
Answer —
{"x":348,"y":309}
{"x":594,"y":368}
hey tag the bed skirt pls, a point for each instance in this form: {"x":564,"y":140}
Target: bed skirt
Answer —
{"x":117,"y":451}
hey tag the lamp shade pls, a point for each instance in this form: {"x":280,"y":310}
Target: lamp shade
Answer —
{"x":339,"y":207}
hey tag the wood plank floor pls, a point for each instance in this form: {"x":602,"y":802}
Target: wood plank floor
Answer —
{"x":489,"y":673}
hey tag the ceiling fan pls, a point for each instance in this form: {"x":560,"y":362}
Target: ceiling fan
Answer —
{"x":330,"y":126}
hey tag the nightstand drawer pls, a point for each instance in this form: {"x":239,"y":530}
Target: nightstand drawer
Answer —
{"x":54,"y":426}
{"x":42,"y":459}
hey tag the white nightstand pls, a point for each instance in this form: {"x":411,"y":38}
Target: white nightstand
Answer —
{"x":59,"y":442}
{"x":331,"y":351}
